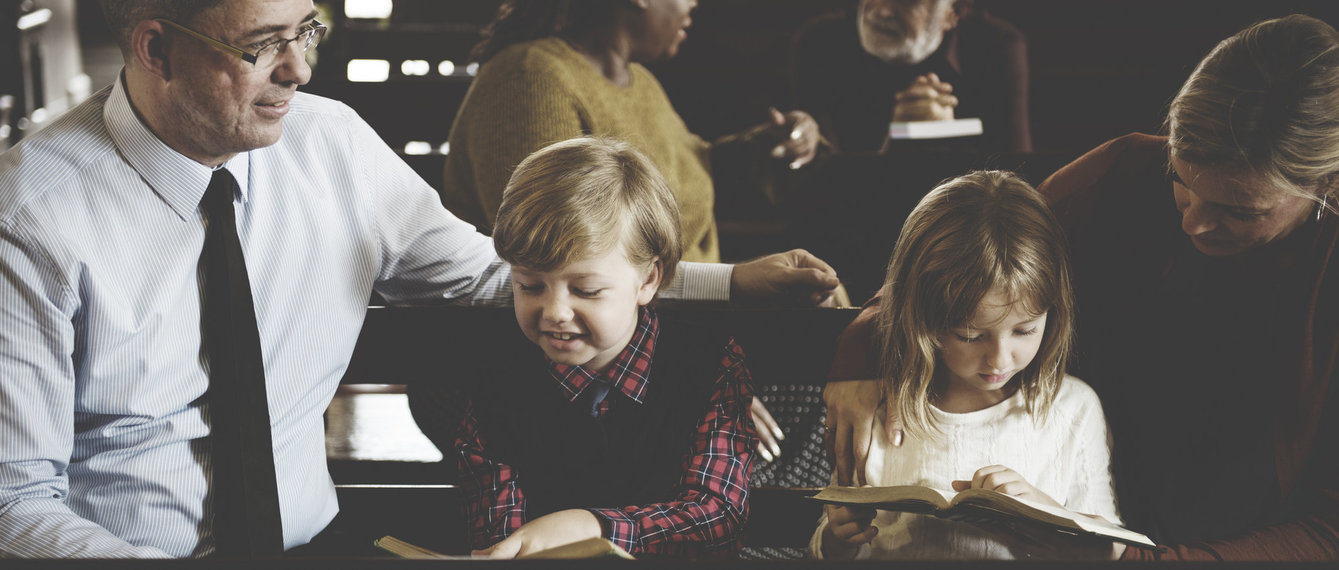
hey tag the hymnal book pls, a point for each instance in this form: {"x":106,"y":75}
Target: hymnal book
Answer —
{"x":935,"y":129}
{"x":977,"y":503}
{"x":406,"y":550}
{"x":589,"y":548}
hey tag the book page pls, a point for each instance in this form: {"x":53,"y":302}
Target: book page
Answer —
{"x":927,"y":500}
{"x":1058,"y":516}
{"x":889,"y":498}
{"x":406,"y":550}
{"x":589,"y":548}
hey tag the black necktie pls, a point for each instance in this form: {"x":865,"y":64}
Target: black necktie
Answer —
{"x":246,"y":497}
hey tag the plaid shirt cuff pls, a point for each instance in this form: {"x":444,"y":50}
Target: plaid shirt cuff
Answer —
{"x":619,"y":528}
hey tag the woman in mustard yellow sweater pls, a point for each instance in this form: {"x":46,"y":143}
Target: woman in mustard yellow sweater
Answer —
{"x":554,"y":70}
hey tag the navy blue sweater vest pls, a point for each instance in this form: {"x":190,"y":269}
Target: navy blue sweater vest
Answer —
{"x":633,"y":455}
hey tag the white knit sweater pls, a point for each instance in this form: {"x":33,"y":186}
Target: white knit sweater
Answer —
{"x":1067,"y":457}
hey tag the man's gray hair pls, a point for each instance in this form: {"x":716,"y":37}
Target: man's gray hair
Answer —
{"x":123,"y":15}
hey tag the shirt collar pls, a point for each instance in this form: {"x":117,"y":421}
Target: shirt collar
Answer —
{"x":629,"y":373}
{"x":178,"y":180}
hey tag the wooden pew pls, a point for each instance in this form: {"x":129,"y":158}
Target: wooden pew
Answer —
{"x":788,"y":353}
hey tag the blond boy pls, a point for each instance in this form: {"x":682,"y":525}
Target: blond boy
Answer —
{"x":623,"y":425}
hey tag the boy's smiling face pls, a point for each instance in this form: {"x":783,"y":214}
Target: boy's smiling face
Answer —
{"x":583,"y":313}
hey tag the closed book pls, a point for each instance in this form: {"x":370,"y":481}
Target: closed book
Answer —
{"x":935,"y":129}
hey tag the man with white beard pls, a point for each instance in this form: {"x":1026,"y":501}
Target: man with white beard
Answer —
{"x":913,"y":60}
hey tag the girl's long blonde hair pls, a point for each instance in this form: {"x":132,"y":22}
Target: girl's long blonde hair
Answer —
{"x":968,"y":236}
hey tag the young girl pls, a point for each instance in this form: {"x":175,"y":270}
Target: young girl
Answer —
{"x":975,"y":320}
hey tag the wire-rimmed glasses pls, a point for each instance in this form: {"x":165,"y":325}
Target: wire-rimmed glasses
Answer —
{"x":265,"y":55}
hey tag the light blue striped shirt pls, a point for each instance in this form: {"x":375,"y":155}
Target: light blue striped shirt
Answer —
{"x":103,"y":426}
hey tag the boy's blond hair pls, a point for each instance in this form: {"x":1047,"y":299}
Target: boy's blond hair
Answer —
{"x":585,"y":197}
{"x":971,"y":235}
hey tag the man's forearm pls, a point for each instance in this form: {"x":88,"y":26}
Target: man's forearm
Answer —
{"x":699,"y":282}
{"x":46,"y":528}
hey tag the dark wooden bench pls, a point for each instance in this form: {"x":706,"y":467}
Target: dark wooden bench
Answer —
{"x":788,"y":353}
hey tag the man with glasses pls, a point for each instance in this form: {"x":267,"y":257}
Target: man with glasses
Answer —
{"x":118,"y":286}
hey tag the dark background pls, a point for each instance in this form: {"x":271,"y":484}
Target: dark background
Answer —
{"x":1099,"y":69}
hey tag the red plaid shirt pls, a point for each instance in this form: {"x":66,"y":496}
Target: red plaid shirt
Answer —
{"x":708,"y":505}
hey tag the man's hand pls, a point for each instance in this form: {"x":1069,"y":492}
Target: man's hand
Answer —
{"x":798,"y":136}
{"x":549,"y":531}
{"x":769,"y":432}
{"x":927,"y":99}
{"x":852,"y":417}
{"x":794,"y":277}
{"x":848,"y":528}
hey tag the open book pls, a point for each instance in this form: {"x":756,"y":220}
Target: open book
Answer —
{"x":977,"y":503}
{"x":589,"y":548}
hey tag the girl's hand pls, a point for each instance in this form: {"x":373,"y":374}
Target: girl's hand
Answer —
{"x":549,"y":531}
{"x":847,"y":529}
{"x":1007,"y":481}
{"x":1037,"y":542}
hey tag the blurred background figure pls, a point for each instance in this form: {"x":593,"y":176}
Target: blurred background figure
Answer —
{"x":913,"y":60}
{"x":554,"y":70}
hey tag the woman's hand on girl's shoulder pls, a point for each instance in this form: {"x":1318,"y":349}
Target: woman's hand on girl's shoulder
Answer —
{"x":853,"y":408}
{"x":769,"y":432}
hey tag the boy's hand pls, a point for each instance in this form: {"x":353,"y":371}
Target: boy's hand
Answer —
{"x":1007,"y":481}
{"x":848,"y":528}
{"x":549,"y":531}
{"x":789,"y":278}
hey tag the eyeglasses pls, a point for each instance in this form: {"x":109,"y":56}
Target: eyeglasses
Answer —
{"x":267,"y":54}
